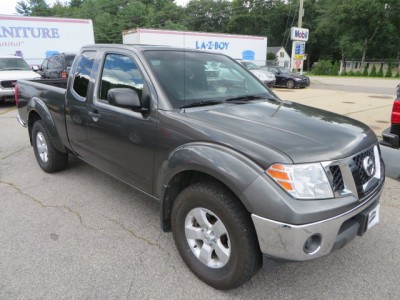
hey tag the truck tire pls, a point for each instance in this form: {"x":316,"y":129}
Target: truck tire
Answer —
{"x":48,"y":157}
{"x":215,"y":236}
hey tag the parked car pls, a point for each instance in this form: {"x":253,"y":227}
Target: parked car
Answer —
{"x":391,"y":136}
{"x":264,"y":75}
{"x":285,"y":78}
{"x":13,"y":68}
{"x":57,"y":66}
{"x":237,"y":171}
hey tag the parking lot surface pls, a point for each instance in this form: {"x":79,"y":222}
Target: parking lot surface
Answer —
{"x":80,"y":234}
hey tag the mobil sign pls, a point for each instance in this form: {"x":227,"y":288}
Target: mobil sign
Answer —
{"x":299,"y":34}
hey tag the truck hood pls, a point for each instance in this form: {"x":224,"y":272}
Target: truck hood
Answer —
{"x":18,"y":74}
{"x":303,"y":133}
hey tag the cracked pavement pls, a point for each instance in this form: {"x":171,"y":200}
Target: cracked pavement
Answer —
{"x":81,"y":234}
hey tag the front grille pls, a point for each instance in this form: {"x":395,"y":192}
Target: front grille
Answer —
{"x":337,"y":179}
{"x":348,"y":176}
{"x":8,"y":83}
{"x":358,"y":160}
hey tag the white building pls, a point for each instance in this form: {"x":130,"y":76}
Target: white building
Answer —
{"x":282,"y":57}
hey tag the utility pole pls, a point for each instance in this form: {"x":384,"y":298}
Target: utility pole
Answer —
{"x":301,"y":14}
{"x":299,"y":24}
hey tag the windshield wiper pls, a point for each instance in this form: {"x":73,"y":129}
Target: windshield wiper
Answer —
{"x":201,"y":103}
{"x":249,"y":98}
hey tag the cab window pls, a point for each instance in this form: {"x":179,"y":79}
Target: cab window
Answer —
{"x":82,"y":73}
{"x":120,"y":71}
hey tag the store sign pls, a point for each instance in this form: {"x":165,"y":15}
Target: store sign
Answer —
{"x":299,"y":34}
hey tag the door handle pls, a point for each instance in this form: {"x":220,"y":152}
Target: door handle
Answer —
{"x":95,"y":116}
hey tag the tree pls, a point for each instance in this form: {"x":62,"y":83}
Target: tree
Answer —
{"x":271,"y":56}
{"x":354,"y":24}
{"x":365,"y":71}
{"x":389,"y":72}
{"x":335,"y":68}
{"x":380,"y":72}
{"x":208,"y":15}
{"x":33,"y":8}
{"x":373,"y":71}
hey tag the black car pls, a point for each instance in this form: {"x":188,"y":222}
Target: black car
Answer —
{"x":57,"y":66}
{"x":285,"y":78}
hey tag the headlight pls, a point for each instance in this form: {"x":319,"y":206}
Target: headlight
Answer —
{"x":302,"y":181}
{"x":298,"y":79}
{"x":261,"y":76}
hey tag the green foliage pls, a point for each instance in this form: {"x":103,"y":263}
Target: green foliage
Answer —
{"x":398,"y":73}
{"x":349,"y":29}
{"x":323,"y":67}
{"x":33,"y":8}
{"x":365,"y":71}
{"x":344,"y":73}
{"x":350,"y":73}
{"x":380,"y":72}
{"x":271,"y":56}
{"x":373,"y":71}
{"x":335,"y":68}
{"x":389,"y":72}
{"x":358,"y":73}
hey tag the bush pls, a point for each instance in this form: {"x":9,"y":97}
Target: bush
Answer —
{"x":323,"y":67}
{"x":344,"y":73}
{"x":389,"y":72}
{"x":271,"y":56}
{"x":358,"y":73}
{"x":398,"y":73}
{"x":373,"y":71}
{"x":335,"y":68}
{"x":350,"y":73}
{"x":380,"y":72}
{"x":365,"y":72}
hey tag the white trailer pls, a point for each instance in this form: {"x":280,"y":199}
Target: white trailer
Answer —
{"x":35,"y":38}
{"x":245,"y":47}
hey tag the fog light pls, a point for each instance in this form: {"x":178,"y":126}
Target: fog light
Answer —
{"x":312,"y":244}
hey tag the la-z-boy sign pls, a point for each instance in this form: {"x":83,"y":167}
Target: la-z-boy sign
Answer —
{"x":299,"y":34}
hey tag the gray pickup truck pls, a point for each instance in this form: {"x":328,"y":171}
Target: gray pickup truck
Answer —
{"x":238,"y":172}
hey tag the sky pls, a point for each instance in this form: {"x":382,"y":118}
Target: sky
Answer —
{"x":7,"y":7}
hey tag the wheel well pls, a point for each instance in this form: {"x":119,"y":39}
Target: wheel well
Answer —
{"x":176,"y":185}
{"x":33,"y":117}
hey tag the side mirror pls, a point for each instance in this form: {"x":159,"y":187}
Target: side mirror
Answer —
{"x":35,"y":68}
{"x":124,"y":97}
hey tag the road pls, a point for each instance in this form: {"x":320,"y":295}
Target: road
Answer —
{"x":384,"y":86}
{"x":80,"y":234}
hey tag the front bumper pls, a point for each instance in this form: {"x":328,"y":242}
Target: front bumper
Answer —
{"x":302,"y":84}
{"x":6,"y":92}
{"x":286,"y":241}
{"x":390,"y":139}
{"x":269,"y":83}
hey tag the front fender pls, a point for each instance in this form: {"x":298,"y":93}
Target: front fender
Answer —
{"x":230,"y":167}
{"x":36,"y":105}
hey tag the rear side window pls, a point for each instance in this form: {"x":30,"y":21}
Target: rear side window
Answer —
{"x":82,"y":73}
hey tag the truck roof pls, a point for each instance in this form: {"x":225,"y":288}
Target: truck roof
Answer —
{"x":142,"y":47}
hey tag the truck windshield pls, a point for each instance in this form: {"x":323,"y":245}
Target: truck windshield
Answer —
{"x":11,"y":63}
{"x":191,"y":77}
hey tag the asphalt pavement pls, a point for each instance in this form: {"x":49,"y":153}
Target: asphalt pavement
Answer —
{"x":81,"y":234}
